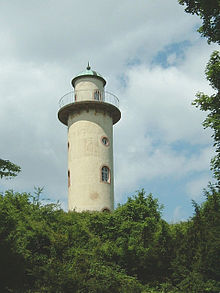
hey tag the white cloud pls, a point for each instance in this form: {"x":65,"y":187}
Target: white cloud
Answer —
{"x":195,"y":187}
{"x":178,"y":215}
{"x":157,"y":115}
{"x":162,"y":98}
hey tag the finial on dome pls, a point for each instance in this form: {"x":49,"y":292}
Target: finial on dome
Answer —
{"x":88,"y":67}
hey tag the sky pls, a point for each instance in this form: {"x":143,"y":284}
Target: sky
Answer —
{"x":153,"y":60}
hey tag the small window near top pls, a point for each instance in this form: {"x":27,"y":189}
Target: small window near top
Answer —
{"x":97,"y":95}
{"x":105,"y":140}
{"x":105,"y":174}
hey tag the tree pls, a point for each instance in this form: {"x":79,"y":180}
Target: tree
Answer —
{"x":212,"y":104}
{"x":196,"y":264}
{"x":8,"y":169}
{"x":44,"y":249}
{"x":131,"y":250}
{"x":209,"y":12}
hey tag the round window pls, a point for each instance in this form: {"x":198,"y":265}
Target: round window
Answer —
{"x":105,"y":141}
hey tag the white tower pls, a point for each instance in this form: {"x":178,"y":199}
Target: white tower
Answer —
{"x":90,"y":112}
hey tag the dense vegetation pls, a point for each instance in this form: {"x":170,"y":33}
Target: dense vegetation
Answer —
{"x":44,"y":249}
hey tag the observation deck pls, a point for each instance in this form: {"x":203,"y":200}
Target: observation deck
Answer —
{"x":76,"y":101}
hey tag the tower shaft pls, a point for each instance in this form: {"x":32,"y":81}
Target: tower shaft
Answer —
{"x":87,"y":155}
{"x":90,"y":112}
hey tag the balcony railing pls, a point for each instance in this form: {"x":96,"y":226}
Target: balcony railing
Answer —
{"x":88,"y":95}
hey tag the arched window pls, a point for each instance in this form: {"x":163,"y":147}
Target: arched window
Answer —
{"x":97,"y":95}
{"x":105,"y":174}
{"x":68,"y":178}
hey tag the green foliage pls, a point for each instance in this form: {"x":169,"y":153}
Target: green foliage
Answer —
{"x":142,"y":237}
{"x":212,"y":105}
{"x":196,"y":265}
{"x":44,"y":249}
{"x":209,"y":12}
{"x":8,"y":169}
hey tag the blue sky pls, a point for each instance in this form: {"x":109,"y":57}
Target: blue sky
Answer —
{"x":153,"y":60}
{"x":171,"y":54}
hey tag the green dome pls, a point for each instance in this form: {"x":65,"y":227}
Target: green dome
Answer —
{"x":88,"y":73}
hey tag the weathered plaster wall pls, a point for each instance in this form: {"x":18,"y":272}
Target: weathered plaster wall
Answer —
{"x":86,"y":156}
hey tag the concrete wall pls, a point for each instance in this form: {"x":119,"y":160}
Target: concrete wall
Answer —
{"x":86,"y":157}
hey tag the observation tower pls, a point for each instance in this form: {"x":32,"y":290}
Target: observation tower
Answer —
{"x":89,"y":112}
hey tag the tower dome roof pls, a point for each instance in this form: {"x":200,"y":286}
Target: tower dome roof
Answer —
{"x":88,"y":73}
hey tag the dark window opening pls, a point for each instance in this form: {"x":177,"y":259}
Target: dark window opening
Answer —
{"x":105,"y":174}
{"x":68,"y":178}
{"x":97,"y":95}
{"x":106,"y":210}
{"x":105,"y":141}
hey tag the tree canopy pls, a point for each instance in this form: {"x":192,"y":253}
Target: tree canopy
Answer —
{"x":8,"y":169}
{"x":209,"y":12}
{"x":212,"y":105}
{"x":131,"y":250}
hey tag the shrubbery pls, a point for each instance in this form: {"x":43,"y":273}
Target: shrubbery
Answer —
{"x":44,"y":249}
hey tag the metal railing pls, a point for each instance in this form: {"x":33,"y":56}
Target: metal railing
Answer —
{"x":88,"y":95}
